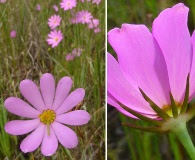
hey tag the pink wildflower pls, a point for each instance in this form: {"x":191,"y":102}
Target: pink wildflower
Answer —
{"x":93,"y":23}
{"x":38,"y":7}
{"x":97,"y":30}
{"x":96,"y":1}
{"x":50,"y":108}
{"x":68,"y":4}
{"x":84,"y":17}
{"x":77,"y":52}
{"x":54,"y":21}
{"x":54,"y":38}
{"x":157,"y":62}
{"x":3,"y":1}
{"x":13,"y":34}
{"x":69,"y":57}
{"x":55,"y":8}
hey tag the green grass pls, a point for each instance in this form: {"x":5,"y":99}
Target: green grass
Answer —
{"x":123,"y":142}
{"x":29,"y":56}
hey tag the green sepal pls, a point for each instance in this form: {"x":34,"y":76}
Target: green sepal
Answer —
{"x":185,"y":102}
{"x":157,"y":109}
{"x":147,"y":129}
{"x":173,"y":107}
{"x":140,"y":116}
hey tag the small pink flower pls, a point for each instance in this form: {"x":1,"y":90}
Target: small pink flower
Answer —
{"x":38,"y":7}
{"x":3,"y":1}
{"x":50,"y":108}
{"x":96,"y":1}
{"x":84,"y":17}
{"x":77,"y":52}
{"x":97,"y":30}
{"x":13,"y":34}
{"x":93,"y":23}
{"x":55,"y":8}
{"x":54,"y":21}
{"x":54,"y":38}
{"x":68,"y":4}
{"x":69,"y":57}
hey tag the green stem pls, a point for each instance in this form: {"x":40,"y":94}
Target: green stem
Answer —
{"x":68,"y":154}
{"x":182,"y":134}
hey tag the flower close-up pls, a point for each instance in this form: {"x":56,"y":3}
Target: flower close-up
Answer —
{"x":47,"y":110}
{"x":54,"y":38}
{"x":54,"y":21}
{"x":84,"y":17}
{"x":68,"y":4}
{"x":156,"y":62}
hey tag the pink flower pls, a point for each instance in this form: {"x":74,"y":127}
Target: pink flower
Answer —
{"x":13,"y":34}
{"x":38,"y":7}
{"x":77,"y":52}
{"x":97,"y":30}
{"x":156,"y":62}
{"x":84,"y":17}
{"x":68,"y":4}
{"x":93,"y":23}
{"x":50,"y":108}
{"x":69,"y":57}
{"x":55,"y":8}
{"x":54,"y":38}
{"x":54,"y":21}
{"x":96,"y":1}
{"x":3,"y":1}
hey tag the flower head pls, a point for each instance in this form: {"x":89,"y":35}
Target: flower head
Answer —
{"x":154,"y":64}
{"x":93,"y":23}
{"x":68,"y":4}
{"x":55,"y":8}
{"x":54,"y":38}
{"x":3,"y":1}
{"x":69,"y":57}
{"x":54,"y":21}
{"x":50,"y":108}
{"x":38,"y":7}
{"x":96,"y":1}
{"x":76,"y":52}
{"x":13,"y":34}
{"x":84,"y":17}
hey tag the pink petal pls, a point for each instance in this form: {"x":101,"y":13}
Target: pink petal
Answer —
{"x":171,"y":32}
{"x":65,"y":135}
{"x":78,"y":117}
{"x":49,"y":144}
{"x":62,"y":90}
{"x":122,"y":90}
{"x":192,"y":72}
{"x":31,"y":92}
{"x":71,"y":101}
{"x":141,"y":61}
{"x":112,"y":101}
{"x":20,"y":108}
{"x":47,"y":86}
{"x":20,"y":127}
{"x":33,"y":140}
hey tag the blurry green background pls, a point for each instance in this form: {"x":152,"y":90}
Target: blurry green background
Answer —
{"x":126,"y":143}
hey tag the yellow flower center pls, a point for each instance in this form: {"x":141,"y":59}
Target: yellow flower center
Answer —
{"x":47,"y":116}
{"x":56,"y":39}
{"x":168,"y":109}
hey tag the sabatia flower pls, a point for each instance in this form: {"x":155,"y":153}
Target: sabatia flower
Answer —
{"x":156,"y":63}
{"x":50,"y":108}
{"x":55,"y":8}
{"x":13,"y":34}
{"x":68,"y":4}
{"x":96,"y":1}
{"x":84,"y":16}
{"x":38,"y":7}
{"x":93,"y":23}
{"x":69,"y":57}
{"x":54,"y":21}
{"x":54,"y":38}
